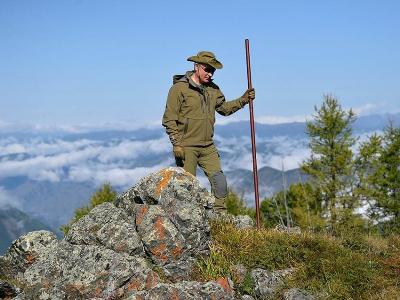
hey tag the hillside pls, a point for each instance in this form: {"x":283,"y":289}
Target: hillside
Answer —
{"x":14,"y":223}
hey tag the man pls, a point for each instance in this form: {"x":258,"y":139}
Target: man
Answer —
{"x":189,"y":119}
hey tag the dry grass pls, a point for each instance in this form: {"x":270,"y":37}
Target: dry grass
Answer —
{"x":367,"y":267}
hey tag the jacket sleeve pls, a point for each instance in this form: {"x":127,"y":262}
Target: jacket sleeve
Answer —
{"x":227,"y":108}
{"x":170,"y":117}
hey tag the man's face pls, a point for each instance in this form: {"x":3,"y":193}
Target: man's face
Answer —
{"x":205,"y":73}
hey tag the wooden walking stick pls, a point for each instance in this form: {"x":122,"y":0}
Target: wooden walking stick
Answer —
{"x":253,"y":136}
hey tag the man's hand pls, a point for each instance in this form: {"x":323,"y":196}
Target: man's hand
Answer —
{"x":179,"y":152}
{"x":248,"y":95}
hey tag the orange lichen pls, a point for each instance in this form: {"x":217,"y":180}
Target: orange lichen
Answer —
{"x":176,"y":253}
{"x":30,"y":259}
{"x":175,"y":295}
{"x":224,"y":283}
{"x":134,"y":285}
{"x":97,"y":292}
{"x":166,"y":176}
{"x":120,"y":247}
{"x":159,"y":252}
{"x":151,"y":280}
{"x":159,"y":227}
{"x":140,"y":214}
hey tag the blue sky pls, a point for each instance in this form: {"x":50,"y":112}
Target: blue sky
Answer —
{"x":96,"y":62}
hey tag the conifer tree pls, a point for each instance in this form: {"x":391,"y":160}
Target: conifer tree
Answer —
{"x":331,"y":161}
{"x":379,"y":176}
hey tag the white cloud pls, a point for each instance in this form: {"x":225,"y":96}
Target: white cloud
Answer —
{"x":132,"y":149}
{"x":128,"y":125}
{"x":7,"y":199}
{"x":270,"y":152}
{"x":116,"y":176}
{"x":366,"y":109}
{"x":270,"y":120}
{"x":87,"y":160}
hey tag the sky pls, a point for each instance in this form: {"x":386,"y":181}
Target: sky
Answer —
{"x":99,"y":63}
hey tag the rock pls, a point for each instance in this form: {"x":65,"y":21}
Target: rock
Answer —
{"x":153,"y":233}
{"x":166,"y":187}
{"x":239,"y":272}
{"x":243,"y":221}
{"x":290,"y":230}
{"x":24,"y":251}
{"x":7,"y":290}
{"x":185,"y":290}
{"x":267,"y":282}
{"x":84,"y":271}
{"x":109,"y":226}
{"x":240,"y":222}
{"x":247,"y":297}
{"x":297,"y":294}
{"x":169,"y":209}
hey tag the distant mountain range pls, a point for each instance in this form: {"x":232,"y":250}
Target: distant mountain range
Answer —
{"x":14,"y":223}
{"x":51,"y":174}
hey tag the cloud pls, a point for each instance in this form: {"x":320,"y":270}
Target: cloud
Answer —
{"x":132,"y":149}
{"x":123,"y":177}
{"x":270,"y":152}
{"x":129,"y":125}
{"x":270,"y":120}
{"x":7,"y":199}
{"x":80,"y":160}
{"x":366,"y":109}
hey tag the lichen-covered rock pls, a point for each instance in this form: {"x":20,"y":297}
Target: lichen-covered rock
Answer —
{"x":81,"y":271}
{"x":185,"y":290}
{"x":169,"y":209}
{"x":267,"y":282}
{"x":153,"y":233}
{"x":243,"y":221}
{"x":166,"y":187}
{"x":24,"y":251}
{"x":109,"y":226}
{"x":290,"y":230}
{"x":297,"y":294}
{"x":163,"y":242}
{"x":239,"y":272}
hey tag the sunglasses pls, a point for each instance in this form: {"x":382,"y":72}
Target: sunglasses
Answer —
{"x":207,"y":69}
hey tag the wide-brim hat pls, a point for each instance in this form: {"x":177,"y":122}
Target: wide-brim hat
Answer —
{"x":206,"y":57}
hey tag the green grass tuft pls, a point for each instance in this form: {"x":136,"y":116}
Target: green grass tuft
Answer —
{"x":365,"y":267}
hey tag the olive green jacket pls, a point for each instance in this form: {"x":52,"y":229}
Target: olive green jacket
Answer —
{"x":189,"y":115}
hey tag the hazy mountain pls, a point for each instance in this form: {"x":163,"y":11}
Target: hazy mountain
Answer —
{"x":270,"y":181}
{"x":50,"y":174}
{"x":53,"y":202}
{"x":14,"y":223}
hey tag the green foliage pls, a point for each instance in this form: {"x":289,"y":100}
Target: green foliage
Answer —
{"x":332,"y":267}
{"x":104,"y":194}
{"x":236,"y":205}
{"x":303,"y":208}
{"x":378,"y":170}
{"x":331,"y":161}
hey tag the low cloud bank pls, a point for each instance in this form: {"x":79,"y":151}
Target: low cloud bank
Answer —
{"x":8,"y":200}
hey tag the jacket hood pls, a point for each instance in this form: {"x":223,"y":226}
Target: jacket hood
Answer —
{"x":182,"y":78}
{"x":186,"y":78}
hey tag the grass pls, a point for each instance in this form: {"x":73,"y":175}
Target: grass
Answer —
{"x":365,"y":267}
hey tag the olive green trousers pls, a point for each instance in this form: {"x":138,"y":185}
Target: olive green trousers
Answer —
{"x":208,"y":159}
